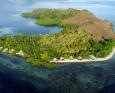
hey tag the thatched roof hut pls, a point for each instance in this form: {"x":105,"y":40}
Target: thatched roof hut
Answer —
{"x":5,"y":50}
{"x":79,"y":58}
{"x":20,"y":53}
{"x":71,"y":58}
{"x":55,"y":59}
{"x":61,"y":58}
{"x":92,"y":57}
{"x":11,"y":50}
{"x":1,"y":48}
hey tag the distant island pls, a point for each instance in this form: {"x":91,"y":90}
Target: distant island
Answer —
{"x":82,"y":35}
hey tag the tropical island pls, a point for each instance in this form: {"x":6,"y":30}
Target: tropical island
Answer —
{"x":82,"y":35}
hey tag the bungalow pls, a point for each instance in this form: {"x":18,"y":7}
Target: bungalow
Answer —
{"x":11,"y":50}
{"x":71,"y":58}
{"x":55,"y":59}
{"x":92,"y":57}
{"x":61,"y":58}
{"x":5,"y":50}
{"x":1,"y":48}
{"x":79,"y":58}
{"x":20,"y":53}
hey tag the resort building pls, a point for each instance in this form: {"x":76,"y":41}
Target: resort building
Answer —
{"x":55,"y":59}
{"x":20,"y":53}
{"x":92,"y":57}
{"x":79,"y":58}
{"x":71,"y":58}
{"x":5,"y":50}
{"x":61,"y":58}
{"x":1,"y":48}
{"x":11,"y":50}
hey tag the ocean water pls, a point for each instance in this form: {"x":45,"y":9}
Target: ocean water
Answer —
{"x":17,"y":76}
{"x":11,"y":23}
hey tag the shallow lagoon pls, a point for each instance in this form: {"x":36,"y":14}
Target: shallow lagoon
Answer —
{"x":11,"y":23}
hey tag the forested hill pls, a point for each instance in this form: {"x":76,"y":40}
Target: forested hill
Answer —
{"x":100,"y":29}
{"x":82,"y":35}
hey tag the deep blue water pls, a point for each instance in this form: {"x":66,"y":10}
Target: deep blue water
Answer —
{"x":9,"y":84}
{"x":16,"y":76}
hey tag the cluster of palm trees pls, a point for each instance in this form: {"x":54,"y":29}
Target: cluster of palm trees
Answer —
{"x":71,"y":41}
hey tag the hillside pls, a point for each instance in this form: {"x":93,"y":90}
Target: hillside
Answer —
{"x":73,"y":40}
{"x":93,"y":26}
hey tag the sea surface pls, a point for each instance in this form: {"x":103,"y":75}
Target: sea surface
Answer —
{"x":17,"y":76}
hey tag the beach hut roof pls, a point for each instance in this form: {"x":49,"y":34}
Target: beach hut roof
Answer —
{"x":55,"y":59}
{"x":20,"y":53}
{"x":71,"y":57}
{"x":61,"y":58}
{"x":79,"y":57}
{"x":92,"y":56}
{"x":1,"y":47}
{"x":5,"y":50}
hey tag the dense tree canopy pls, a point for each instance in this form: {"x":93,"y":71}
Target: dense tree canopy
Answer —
{"x":71,"y":41}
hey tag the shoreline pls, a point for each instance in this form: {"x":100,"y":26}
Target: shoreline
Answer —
{"x":86,"y":60}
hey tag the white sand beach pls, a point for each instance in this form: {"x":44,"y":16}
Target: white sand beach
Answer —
{"x":85,"y":60}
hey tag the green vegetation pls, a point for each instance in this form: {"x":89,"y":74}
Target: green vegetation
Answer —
{"x":44,"y":13}
{"x":31,"y":46}
{"x":71,"y":41}
{"x":50,"y":17}
{"x":48,"y":22}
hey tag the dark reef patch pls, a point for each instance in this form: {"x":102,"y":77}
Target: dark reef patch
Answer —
{"x":84,"y":78}
{"x":18,"y":76}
